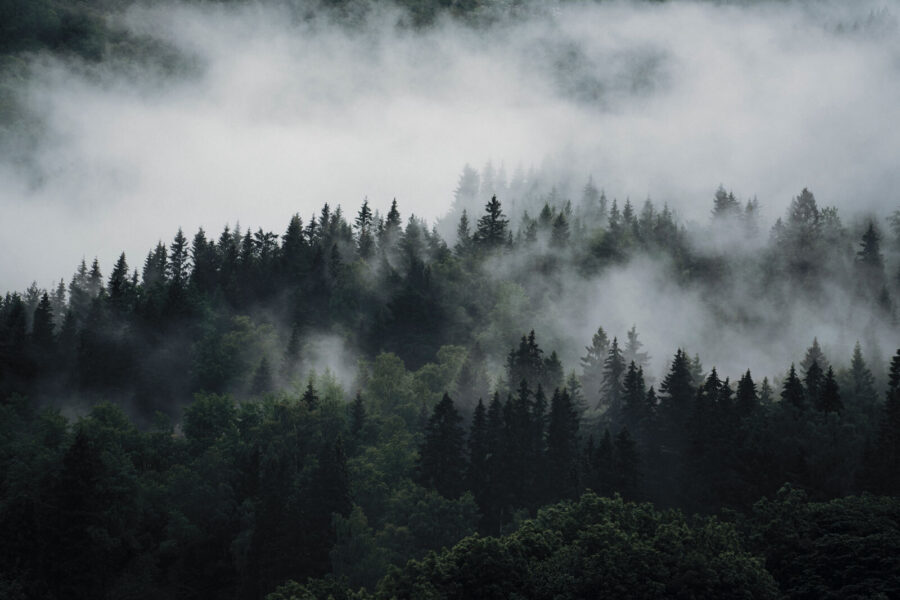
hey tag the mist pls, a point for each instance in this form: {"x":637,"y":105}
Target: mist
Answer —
{"x":268,"y":115}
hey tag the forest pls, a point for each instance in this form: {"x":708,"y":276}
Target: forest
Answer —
{"x":167,"y":433}
{"x":278,"y":346}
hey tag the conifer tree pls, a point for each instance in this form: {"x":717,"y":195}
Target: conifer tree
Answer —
{"x":861,"y":392}
{"x":262,"y":379}
{"x":633,"y":352}
{"x":463,"y":235}
{"x":869,"y":261}
{"x":592,"y":366}
{"x":442,"y":455}
{"x":562,"y":446}
{"x":677,"y":387}
{"x":363,"y":225}
{"x":613,"y":371}
{"x":747,"y":399}
{"x":793,"y":395}
{"x":358,"y":416}
{"x":478,"y":469}
{"x":813,"y":384}
{"x":830,"y":396}
{"x":310,"y":397}
{"x":634,"y":399}
{"x":559,"y":237}
{"x":118,"y":289}
{"x":491,"y":232}
{"x":766,"y":394}
{"x":626,"y":465}
{"x":42,"y":328}
{"x":814,"y":354}
{"x":725,"y":204}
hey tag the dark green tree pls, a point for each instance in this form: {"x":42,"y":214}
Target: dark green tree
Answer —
{"x":830,"y":395}
{"x":441,"y":463}
{"x":491,"y":231}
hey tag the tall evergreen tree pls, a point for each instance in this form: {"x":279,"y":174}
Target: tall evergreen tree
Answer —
{"x":747,"y":398}
{"x":814,"y":354}
{"x":491,"y":232}
{"x":830,"y":396}
{"x":42,"y":328}
{"x":442,"y":455}
{"x":478,"y":475}
{"x":613,"y":371}
{"x":793,"y":395}
{"x":634,"y":399}
{"x":592,"y":366}
{"x":562,"y":446}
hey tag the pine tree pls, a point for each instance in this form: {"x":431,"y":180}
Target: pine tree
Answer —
{"x":814,"y":354}
{"x":766,"y":394}
{"x":42,"y":328}
{"x":118,"y":289}
{"x":58,"y":304}
{"x":869,"y":254}
{"x":592,"y":366}
{"x":793,"y":395}
{"x":559,"y":237}
{"x":883,"y":464}
{"x":491,"y":232}
{"x":747,"y":399}
{"x":626,"y":474}
{"x":95,"y":279}
{"x":830,"y":397}
{"x":262,"y":379}
{"x":633,"y":352}
{"x":562,"y":446}
{"x":813,"y":383}
{"x":310,"y":397}
{"x":613,"y":371}
{"x":634,"y":397}
{"x":861,"y":392}
{"x":478,"y":471}
{"x":442,"y":454}
{"x":677,"y":388}
{"x":463,"y":235}
{"x":358,"y":416}
{"x":365,"y":241}
{"x":725,"y":204}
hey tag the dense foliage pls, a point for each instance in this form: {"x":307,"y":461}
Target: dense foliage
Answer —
{"x":198,"y":453}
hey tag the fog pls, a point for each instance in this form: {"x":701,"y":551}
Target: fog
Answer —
{"x":269,"y":115}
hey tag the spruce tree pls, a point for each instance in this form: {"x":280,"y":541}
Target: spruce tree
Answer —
{"x":42,"y":329}
{"x":310,"y":397}
{"x":441,"y":464}
{"x":478,"y":469}
{"x":626,"y":475}
{"x":634,"y":399}
{"x":592,"y":366}
{"x":613,"y":371}
{"x":813,"y":383}
{"x":358,"y":416}
{"x":830,"y":397}
{"x":491,"y":231}
{"x":562,"y":447}
{"x":118,"y":289}
{"x":747,"y":399}
{"x":262,"y":379}
{"x":814,"y":354}
{"x":793,"y":395}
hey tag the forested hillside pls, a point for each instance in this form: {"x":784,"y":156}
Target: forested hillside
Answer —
{"x":303,"y":356}
{"x":166,"y":431}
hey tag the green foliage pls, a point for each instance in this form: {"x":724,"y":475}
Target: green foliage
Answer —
{"x":591,"y":548}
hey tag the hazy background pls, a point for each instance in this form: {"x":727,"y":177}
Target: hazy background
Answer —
{"x":268,"y":115}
